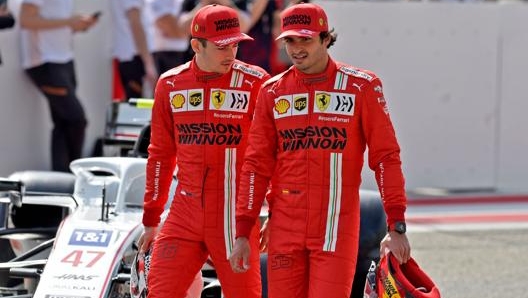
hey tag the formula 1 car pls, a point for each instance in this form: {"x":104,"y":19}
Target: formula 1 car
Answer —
{"x":73,"y":235}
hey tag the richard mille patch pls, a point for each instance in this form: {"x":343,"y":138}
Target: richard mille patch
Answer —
{"x":186,"y":100}
{"x":356,"y":73}
{"x":248,"y":70}
{"x":229,"y":100}
{"x":291,"y":105}
{"x":334,"y":103}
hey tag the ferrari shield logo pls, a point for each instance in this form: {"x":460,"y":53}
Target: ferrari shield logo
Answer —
{"x":218,"y":98}
{"x":322,"y":100}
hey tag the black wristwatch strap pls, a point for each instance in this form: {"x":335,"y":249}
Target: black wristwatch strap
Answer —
{"x":399,"y":227}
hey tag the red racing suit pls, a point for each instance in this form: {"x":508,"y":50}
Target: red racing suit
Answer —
{"x":200,"y":123}
{"x":308,"y":138}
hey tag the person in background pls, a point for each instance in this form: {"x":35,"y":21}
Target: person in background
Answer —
{"x":6,"y":19}
{"x":168,"y":27}
{"x":200,"y":119}
{"x":47,"y":28}
{"x":311,"y":127}
{"x":265,"y":27}
{"x":130,"y":48}
{"x":261,"y":21}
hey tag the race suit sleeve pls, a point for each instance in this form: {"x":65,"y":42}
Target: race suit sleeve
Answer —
{"x":383,"y":152}
{"x":162,"y":157}
{"x":259,"y":165}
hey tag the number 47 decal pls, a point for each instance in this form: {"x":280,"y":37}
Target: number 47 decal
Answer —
{"x":79,"y":257}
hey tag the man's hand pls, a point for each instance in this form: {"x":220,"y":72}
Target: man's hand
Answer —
{"x":3,"y":9}
{"x":398,"y":244}
{"x":146,"y":239}
{"x":151,"y":74}
{"x":239,"y":258}
{"x":81,"y":23}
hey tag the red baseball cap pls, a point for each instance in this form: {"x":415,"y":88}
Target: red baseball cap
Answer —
{"x":218,"y":24}
{"x":303,"y":20}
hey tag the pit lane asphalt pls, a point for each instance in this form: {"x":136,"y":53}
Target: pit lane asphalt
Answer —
{"x":473,"y":245}
{"x":474,"y":263}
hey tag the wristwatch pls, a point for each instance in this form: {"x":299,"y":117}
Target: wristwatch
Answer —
{"x":399,"y":227}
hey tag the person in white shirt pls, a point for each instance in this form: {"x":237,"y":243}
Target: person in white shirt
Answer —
{"x":130,"y":48}
{"x":6,"y":19}
{"x":169,"y":31}
{"x":168,"y":24}
{"x":47,"y":28}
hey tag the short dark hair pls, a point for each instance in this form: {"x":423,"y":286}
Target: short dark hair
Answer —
{"x":329,"y":34}
{"x":203,"y":41}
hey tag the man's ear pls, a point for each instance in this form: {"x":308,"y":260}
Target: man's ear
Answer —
{"x":196,"y":45}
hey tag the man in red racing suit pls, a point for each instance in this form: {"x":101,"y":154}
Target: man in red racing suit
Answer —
{"x":311,"y":127}
{"x":200,"y":121}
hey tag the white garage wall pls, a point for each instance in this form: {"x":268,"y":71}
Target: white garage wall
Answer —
{"x":512,"y":106}
{"x":453,"y":76}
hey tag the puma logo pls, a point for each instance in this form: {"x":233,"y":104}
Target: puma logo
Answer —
{"x":250,"y":83}
{"x":170,"y":83}
{"x":357,"y":86}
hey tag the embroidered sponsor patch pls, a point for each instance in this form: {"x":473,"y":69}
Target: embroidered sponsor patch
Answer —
{"x":340,"y":81}
{"x":291,"y":105}
{"x":229,"y":100}
{"x":356,"y":73}
{"x":249,"y":71}
{"x":237,"y":78}
{"x":383,"y":104}
{"x":334,"y":103}
{"x":186,"y":100}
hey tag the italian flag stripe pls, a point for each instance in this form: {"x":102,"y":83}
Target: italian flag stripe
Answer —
{"x":341,"y":80}
{"x":334,"y":201}
{"x":236,"y":79}
{"x":229,"y":199}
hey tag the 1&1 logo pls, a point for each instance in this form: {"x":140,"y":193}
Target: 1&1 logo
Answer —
{"x":85,"y":237}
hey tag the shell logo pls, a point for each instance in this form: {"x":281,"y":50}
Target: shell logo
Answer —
{"x":177,"y":101}
{"x":282,"y":106}
{"x":321,"y":22}
{"x":196,"y":27}
{"x":322,"y":100}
